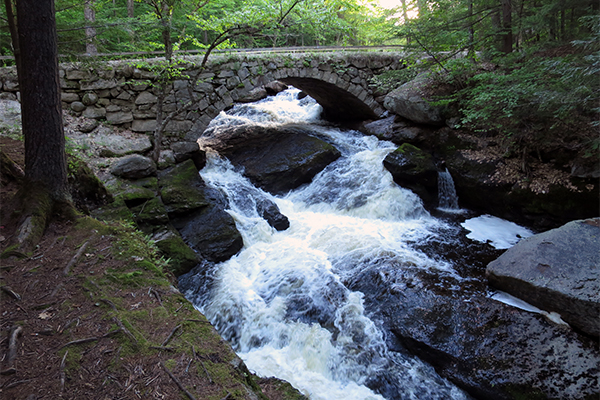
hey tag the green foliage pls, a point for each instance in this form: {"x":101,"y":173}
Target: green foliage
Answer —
{"x":390,"y":80}
{"x":194,"y":24}
{"x":531,"y":92}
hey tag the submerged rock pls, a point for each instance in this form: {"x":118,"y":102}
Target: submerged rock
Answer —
{"x":556,"y":271}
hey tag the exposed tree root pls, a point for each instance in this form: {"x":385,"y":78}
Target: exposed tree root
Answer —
{"x":12,"y":351}
{"x":33,"y":207}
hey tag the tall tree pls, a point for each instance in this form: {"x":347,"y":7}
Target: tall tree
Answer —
{"x":90,"y":29}
{"x":12,"y":26}
{"x":130,"y":9}
{"x":45,"y":160}
{"x":507,"y":36}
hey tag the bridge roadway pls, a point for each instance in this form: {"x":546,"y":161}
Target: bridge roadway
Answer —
{"x":123,"y":92}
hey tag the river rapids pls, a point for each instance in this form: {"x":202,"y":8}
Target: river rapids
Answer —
{"x":283,"y":301}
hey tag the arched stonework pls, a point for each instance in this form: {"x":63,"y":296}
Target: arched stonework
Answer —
{"x":123,"y":92}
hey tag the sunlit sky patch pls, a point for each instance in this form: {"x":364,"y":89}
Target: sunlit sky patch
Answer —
{"x":389,"y":4}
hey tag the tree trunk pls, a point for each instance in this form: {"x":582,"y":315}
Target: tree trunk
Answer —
{"x":14,"y":35}
{"x":507,"y":36}
{"x":471,"y":49}
{"x":130,"y":12}
{"x":90,"y":30}
{"x":45,"y":160}
{"x":165,"y":19}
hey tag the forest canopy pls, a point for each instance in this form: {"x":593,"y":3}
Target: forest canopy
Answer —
{"x":117,"y":26}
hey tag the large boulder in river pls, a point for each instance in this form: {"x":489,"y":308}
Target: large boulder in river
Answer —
{"x":274,"y":159}
{"x":412,"y":102}
{"x":490,"y":349}
{"x":414,"y":169}
{"x":556,"y":271}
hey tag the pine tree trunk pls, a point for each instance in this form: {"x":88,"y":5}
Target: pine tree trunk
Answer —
{"x":14,"y":35}
{"x":471,"y":48}
{"x":45,"y":160}
{"x":90,"y":30}
{"x":130,"y":12}
{"x":507,"y":36}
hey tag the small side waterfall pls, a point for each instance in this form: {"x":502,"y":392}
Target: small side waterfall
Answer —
{"x":448,"y":200}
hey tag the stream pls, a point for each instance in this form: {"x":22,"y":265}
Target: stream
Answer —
{"x":284,"y":301}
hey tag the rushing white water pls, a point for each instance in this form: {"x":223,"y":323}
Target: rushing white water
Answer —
{"x":448,"y":200}
{"x":281,"y":302}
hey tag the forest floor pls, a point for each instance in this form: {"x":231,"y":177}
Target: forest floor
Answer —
{"x":93,"y":314}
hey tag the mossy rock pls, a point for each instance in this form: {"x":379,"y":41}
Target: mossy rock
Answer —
{"x":212,"y":232}
{"x":86,"y":189}
{"x":133,"y":192}
{"x":115,"y":211}
{"x":182,"y":188}
{"x":182,"y":257}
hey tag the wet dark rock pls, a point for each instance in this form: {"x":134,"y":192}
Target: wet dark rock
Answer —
{"x":270,"y":212}
{"x":198,"y":213}
{"x":134,"y":167}
{"x":478,"y":188}
{"x":276,"y":160}
{"x":491,"y":350}
{"x":414,"y":169}
{"x":556,"y":271}
{"x":189,"y":150}
{"x":211,"y":232}
{"x":275,"y":87}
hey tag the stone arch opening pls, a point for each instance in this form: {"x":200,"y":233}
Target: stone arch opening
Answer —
{"x":338,"y":104}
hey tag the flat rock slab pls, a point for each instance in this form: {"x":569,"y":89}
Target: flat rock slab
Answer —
{"x":134,"y":166}
{"x":558,"y":270}
{"x":107,"y":144}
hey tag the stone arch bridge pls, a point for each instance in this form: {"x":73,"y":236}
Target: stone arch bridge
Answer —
{"x":123,"y":94}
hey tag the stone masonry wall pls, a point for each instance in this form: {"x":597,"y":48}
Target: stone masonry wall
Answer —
{"x":123,"y":92}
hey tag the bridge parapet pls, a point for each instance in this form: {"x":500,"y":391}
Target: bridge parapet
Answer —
{"x":124,"y":93}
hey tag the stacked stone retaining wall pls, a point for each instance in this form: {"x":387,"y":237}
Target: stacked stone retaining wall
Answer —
{"x":124,"y":93}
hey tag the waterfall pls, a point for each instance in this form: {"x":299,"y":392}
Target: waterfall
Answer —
{"x":448,"y":200}
{"x":282,"y":302}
